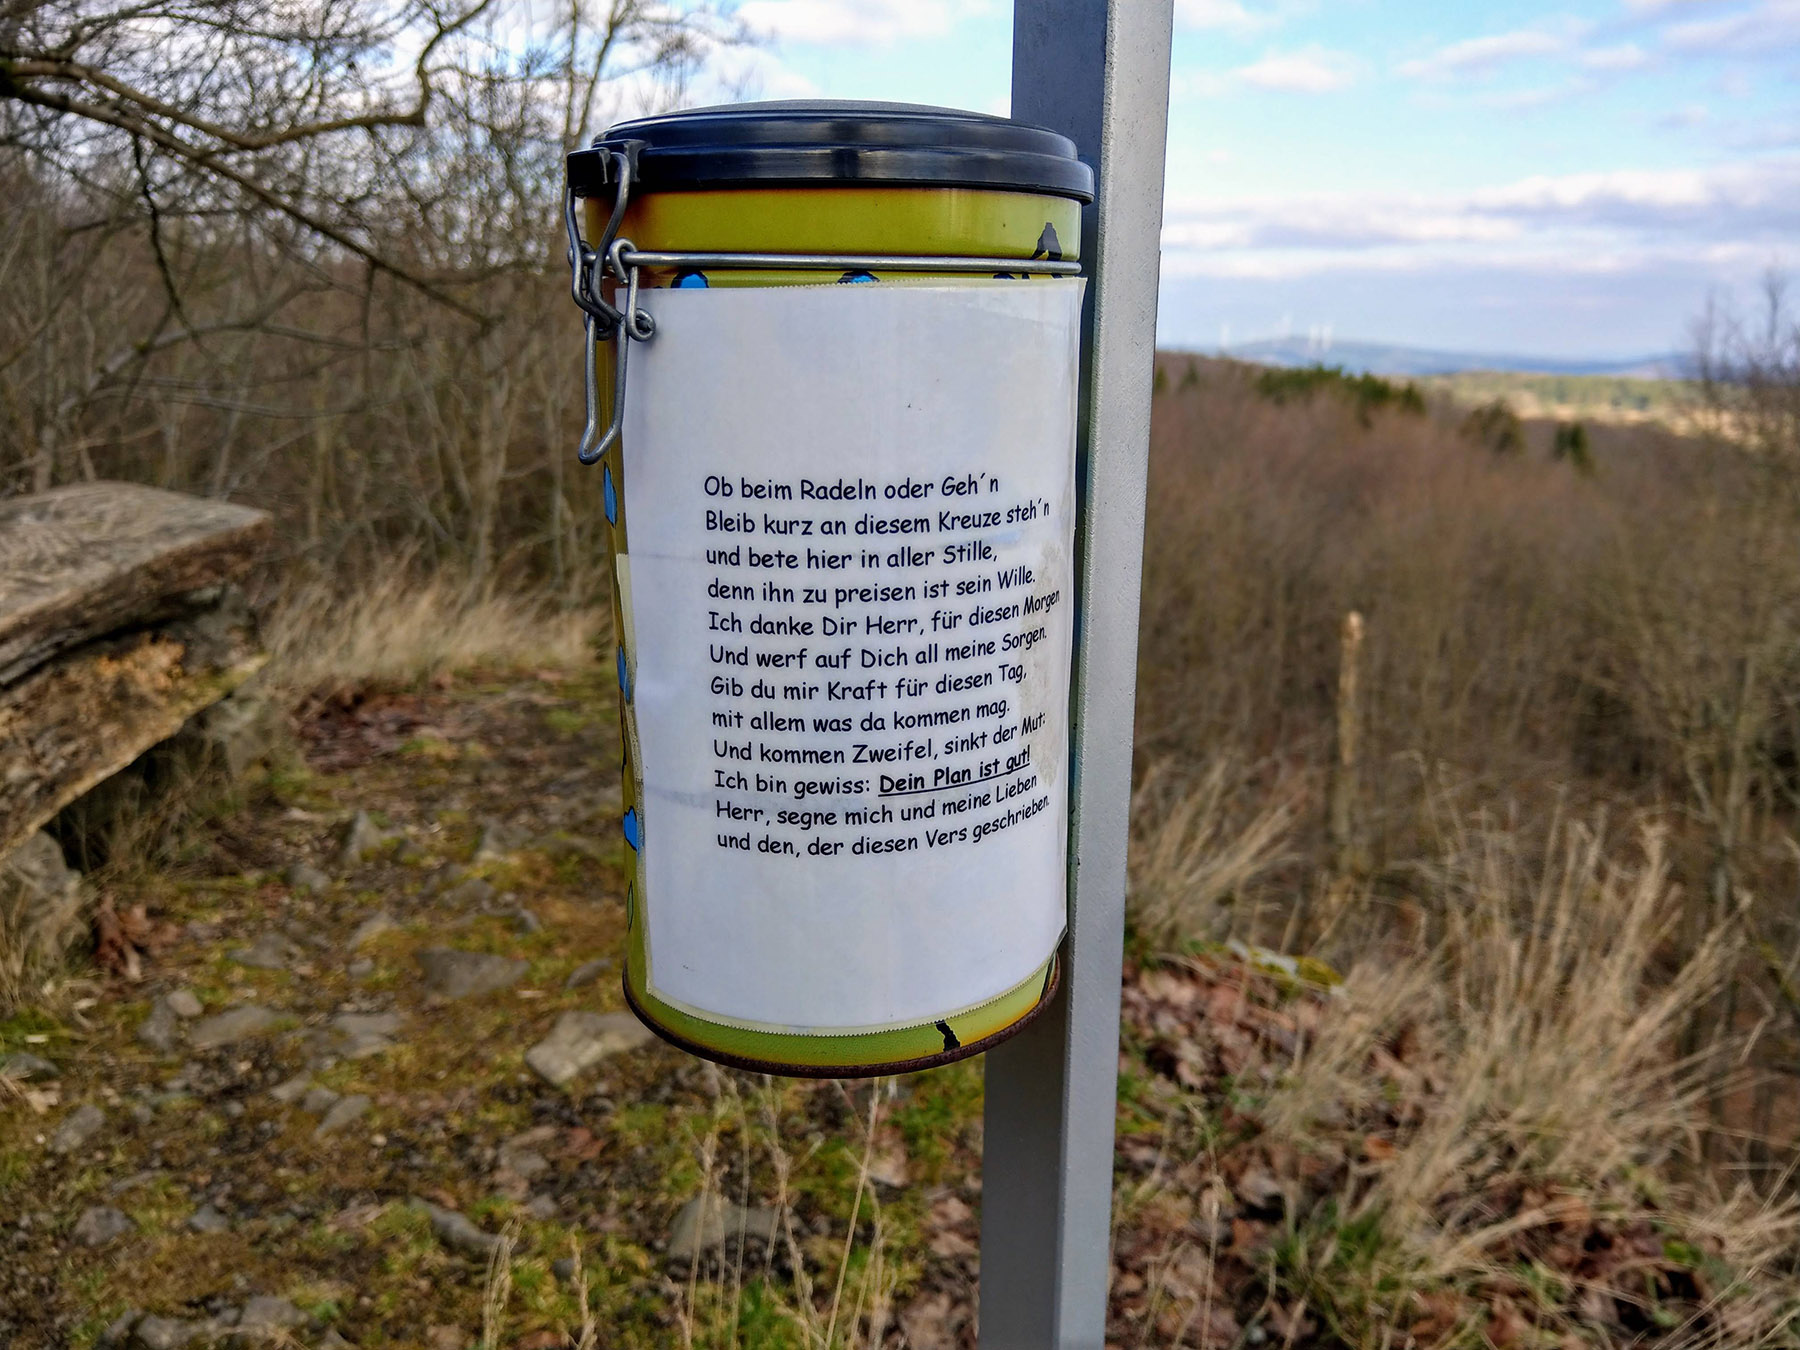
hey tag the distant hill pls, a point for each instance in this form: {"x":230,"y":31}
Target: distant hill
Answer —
{"x":1377,"y":358}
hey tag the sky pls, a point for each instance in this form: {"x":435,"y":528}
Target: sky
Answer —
{"x":1505,"y":176}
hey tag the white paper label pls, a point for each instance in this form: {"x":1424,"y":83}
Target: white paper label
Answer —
{"x":850,"y":513}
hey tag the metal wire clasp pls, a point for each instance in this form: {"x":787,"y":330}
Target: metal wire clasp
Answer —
{"x":603,"y":321}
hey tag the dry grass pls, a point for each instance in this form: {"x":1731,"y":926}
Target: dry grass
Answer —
{"x":402,"y":630}
{"x":1202,"y":843}
{"x":1485,"y":1137}
{"x":1552,"y":1007}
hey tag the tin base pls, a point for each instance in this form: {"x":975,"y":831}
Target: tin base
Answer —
{"x":1052,"y":982}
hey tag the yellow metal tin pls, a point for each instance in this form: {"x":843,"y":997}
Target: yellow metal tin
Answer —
{"x":847,"y":220}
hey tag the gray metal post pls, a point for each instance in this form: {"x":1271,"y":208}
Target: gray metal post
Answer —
{"x":1098,"y":71}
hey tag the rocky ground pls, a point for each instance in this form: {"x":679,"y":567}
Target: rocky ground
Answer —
{"x":358,"y":1073}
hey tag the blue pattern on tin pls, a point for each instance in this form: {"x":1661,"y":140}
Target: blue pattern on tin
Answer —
{"x":634,"y":832}
{"x":612,"y":497}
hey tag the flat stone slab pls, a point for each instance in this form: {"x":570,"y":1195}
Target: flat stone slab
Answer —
{"x":580,"y":1040}
{"x":77,"y":1128}
{"x":100,"y":1225}
{"x":707,"y":1223}
{"x":371,"y":928}
{"x":79,"y":562}
{"x":270,"y":951}
{"x":231,"y":1026}
{"x":342,"y":1112}
{"x":456,"y":1232}
{"x":118,"y":622}
{"x":459,"y":974}
{"x":24,"y":1067}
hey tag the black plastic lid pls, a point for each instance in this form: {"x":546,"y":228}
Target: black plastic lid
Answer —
{"x":815,"y":142}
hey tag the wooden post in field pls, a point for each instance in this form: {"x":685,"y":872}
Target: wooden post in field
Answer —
{"x":1318,"y":910}
{"x":1340,"y":825}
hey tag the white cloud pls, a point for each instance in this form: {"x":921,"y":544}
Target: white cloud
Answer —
{"x":1313,"y":70}
{"x":1538,"y":96}
{"x":1572,"y":221}
{"x":739,"y":73}
{"x":1484,"y":53}
{"x":1686,"y":117}
{"x":1237,"y":15}
{"x":856,"y":22}
{"x":1625,"y":56}
{"x":1769,"y":27}
{"x":1216,"y":14}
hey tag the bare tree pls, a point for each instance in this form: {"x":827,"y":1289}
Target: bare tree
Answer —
{"x":248,"y":234}
{"x":1749,"y":370}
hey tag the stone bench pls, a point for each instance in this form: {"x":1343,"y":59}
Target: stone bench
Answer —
{"x":120,"y":620}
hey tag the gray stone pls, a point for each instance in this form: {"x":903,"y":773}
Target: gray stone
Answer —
{"x":231,"y":1026}
{"x":77,"y":1128}
{"x":184,"y":1003}
{"x":527,"y":922}
{"x":265,"y":1316}
{"x":119,"y":1331}
{"x":708,"y":1222}
{"x":563,"y":1268}
{"x":371,"y":928}
{"x":580,"y":1040}
{"x":318,"y":1101}
{"x":291,"y":1091}
{"x":244,"y":730}
{"x":543,"y":1208}
{"x":100,"y":1225}
{"x":474,"y":893}
{"x":332,"y":1341}
{"x":443,"y":878}
{"x":359,"y":1035}
{"x":132,"y":1182}
{"x":168,"y":1333}
{"x":587,"y":972}
{"x":363,"y":839}
{"x":460,"y":974}
{"x":206,"y":1219}
{"x":518,"y":1157}
{"x":40,"y":901}
{"x":271,"y":951}
{"x":161,"y":1030}
{"x":23,"y":1067}
{"x":496,"y":842}
{"x":305,"y":877}
{"x":346,"y":1110}
{"x":360,"y":969}
{"x":456,"y":1232}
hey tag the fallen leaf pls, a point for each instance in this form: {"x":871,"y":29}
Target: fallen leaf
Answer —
{"x":1377,"y":1149}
